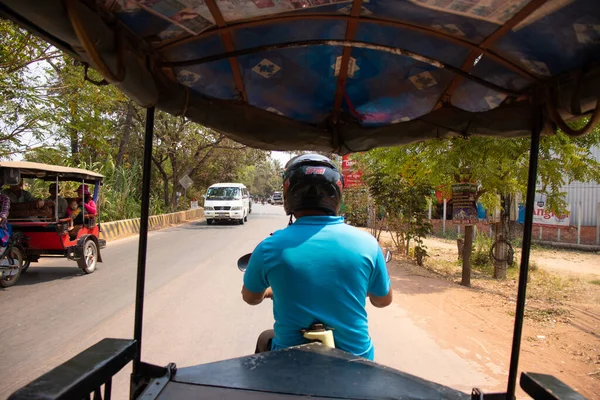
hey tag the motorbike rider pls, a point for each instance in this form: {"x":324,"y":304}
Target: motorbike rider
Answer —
{"x":4,"y":211}
{"x":318,"y":269}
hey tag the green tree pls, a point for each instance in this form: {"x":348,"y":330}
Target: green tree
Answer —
{"x":24,"y":105}
{"x":262,"y":178}
{"x":403,"y":201}
{"x":86,"y":116}
{"x":498,"y":166}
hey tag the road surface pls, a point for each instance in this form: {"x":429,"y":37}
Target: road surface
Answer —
{"x":194,"y":312}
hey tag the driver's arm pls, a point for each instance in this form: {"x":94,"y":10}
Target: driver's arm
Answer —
{"x":254,"y":290}
{"x":381,"y":301}
{"x":380,"y":291}
{"x":255,"y":299}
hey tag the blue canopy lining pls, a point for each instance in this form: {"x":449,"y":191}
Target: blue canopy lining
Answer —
{"x":441,"y":30}
{"x":393,"y":90}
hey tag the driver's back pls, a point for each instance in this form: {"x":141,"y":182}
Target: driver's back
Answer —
{"x":320,"y":270}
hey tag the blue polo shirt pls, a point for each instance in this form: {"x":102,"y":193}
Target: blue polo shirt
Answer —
{"x":320,"y":270}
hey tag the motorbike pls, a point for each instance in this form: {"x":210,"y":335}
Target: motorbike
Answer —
{"x":316,"y":332}
{"x":11,"y":261}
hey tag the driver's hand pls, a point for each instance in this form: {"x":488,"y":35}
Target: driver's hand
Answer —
{"x":268,"y":294}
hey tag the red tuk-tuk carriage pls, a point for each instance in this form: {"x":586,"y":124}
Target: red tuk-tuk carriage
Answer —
{"x":45,"y":233}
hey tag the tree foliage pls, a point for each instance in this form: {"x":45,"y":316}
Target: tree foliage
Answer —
{"x":403,"y":202}
{"x":50,"y":114}
{"x":25,"y":108}
{"x":262,"y":178}
{"x":498,"y":166}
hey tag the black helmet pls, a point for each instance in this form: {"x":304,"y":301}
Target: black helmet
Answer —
{"x":312,"y":181}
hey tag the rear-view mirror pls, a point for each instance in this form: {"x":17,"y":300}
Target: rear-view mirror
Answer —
{"x":243,"y":262}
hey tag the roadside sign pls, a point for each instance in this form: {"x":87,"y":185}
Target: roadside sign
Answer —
{"x":464,"y":207}
{"x":545,"y":217}
{"x":186,"y":182}
{"x":352,"y":178}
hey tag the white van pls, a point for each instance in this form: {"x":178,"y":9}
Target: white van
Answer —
{"x":227,"y":201}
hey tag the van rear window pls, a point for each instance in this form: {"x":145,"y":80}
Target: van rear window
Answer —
{"x":224,"y":193}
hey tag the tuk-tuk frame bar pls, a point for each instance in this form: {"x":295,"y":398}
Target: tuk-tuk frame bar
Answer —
{"x":143,"y":240}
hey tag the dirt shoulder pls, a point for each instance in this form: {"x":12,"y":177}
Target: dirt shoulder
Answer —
{"x":562,"y":324}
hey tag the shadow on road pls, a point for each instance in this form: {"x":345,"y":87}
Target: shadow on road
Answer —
{"x":36,"y":275}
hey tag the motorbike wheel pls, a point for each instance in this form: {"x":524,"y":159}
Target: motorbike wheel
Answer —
{"x":88,"y":262}
{"x":14,"y":254}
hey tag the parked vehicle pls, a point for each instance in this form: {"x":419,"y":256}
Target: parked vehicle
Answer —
{"x":227,"y":202}
{"x":42,"y":233}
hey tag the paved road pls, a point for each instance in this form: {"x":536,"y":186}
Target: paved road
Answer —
{"x":194,"y":312}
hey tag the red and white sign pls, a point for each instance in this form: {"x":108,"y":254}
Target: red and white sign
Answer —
{"x":352,"y":177}
{"x":541,"y":216}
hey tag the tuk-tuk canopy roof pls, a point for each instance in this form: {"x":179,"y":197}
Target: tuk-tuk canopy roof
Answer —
{"x":334,"y":74}
{"x":50,"y":172}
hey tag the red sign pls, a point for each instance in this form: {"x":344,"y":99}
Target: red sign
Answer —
{"x":352,"y":177}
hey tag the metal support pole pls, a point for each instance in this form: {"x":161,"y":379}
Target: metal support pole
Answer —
{"x":579,"y":223}
{"x":56,"y":200}
{"x":143,"y":241}
{"x":538,"y":124}
{"x":83,"y":202}
{"x":597,"y":224}
{"x":97,"y":201}
{"x":444,"y":220}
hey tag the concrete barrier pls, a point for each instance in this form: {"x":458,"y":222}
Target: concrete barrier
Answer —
{"x":128,"y":227}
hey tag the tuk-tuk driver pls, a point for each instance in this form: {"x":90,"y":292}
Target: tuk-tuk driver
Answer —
{"x":17,"y":194}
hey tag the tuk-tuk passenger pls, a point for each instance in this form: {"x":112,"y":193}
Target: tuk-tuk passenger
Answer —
{"x":61,"y":202}
{"x":86,"y":201}
{"x":17,"y":194}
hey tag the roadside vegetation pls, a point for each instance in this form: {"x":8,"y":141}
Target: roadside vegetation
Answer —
{"x":401,"y":183}
{"x":49,"y":113}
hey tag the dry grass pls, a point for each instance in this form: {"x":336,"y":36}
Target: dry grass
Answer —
{"x":548,"y":293}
